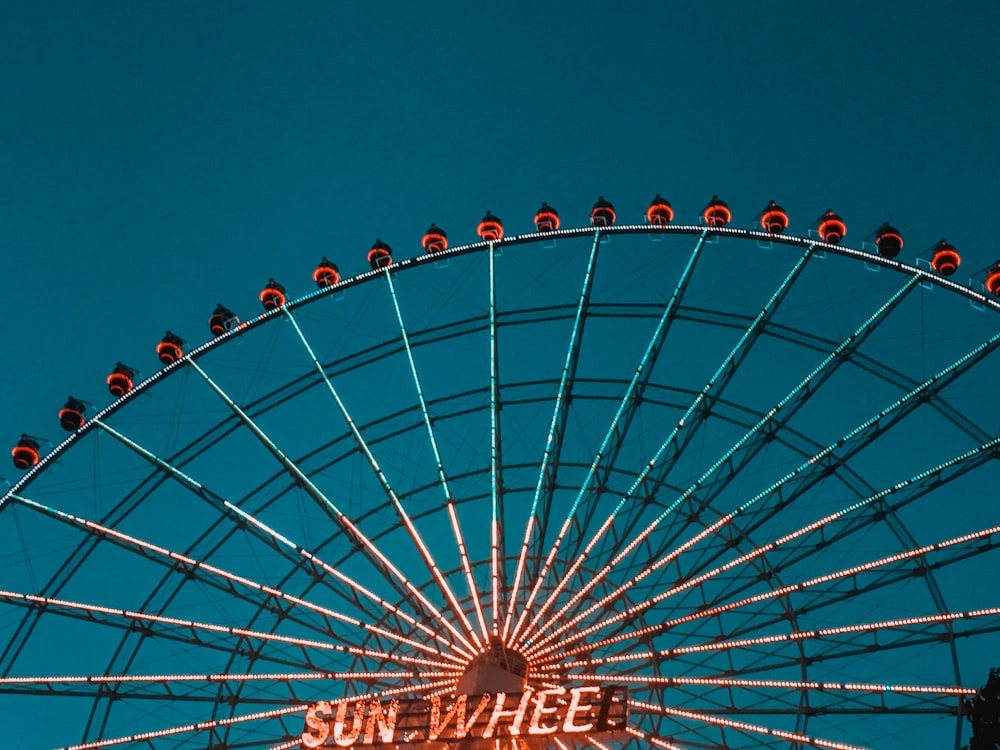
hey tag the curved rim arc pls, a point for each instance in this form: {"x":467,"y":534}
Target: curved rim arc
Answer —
{"x":973,"y":295}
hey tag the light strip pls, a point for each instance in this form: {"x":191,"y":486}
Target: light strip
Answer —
{"x":446,"y":488}
{"x":553,"y":443}
{"x":625,"y":410}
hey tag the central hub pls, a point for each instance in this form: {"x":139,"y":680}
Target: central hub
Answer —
{"x":499,"y":669}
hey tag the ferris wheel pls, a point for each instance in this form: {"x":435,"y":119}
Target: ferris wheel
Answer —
{"x":655,"y":485}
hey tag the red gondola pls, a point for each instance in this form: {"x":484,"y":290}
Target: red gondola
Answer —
{"x":380,"y":255}
{"x":221,"y":320}
{"x":71,"y":415}
{"x":603,"y":213}
{"x":945,"y":258}
{"x":272,"y":296}
{"x":169,"y":349}
{"x":774,"y":220}
{"x":993,"y":280}
{"x":717,"y":213}
{"x":888,"y":240}
{"x":831,"y":228}
{"x":659,"y":211}
{"x":435,"y":239}
{"x":547,"y":218}
{"x":326,"y":274}
{"x":490,"y":228}
{"x":25,"y":453}
{"x":121,"y":380}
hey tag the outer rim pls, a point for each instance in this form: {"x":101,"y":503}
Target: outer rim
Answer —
{"x":927,"y":276}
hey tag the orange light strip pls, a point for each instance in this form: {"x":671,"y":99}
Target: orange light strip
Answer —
{"x":865,"y":687}
{"x":798,"y":635}
{"x":747,"y":727}
{"x":779,"y":592}
{"x":208,"y":568}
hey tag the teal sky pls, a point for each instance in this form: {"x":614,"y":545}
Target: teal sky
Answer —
{"x":159,"y":158}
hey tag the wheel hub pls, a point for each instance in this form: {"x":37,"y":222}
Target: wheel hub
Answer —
{"x":498,"y":669}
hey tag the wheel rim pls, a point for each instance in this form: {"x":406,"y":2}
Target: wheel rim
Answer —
{"x":661,"y":352}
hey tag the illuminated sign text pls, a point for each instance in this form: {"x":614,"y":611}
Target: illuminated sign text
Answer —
{"x":369,"y":721}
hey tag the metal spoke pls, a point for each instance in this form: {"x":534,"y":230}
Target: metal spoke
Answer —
{"x":926,"y":481}
{"x":380,"y":474}
{"x":345,"y":524}
{"x":449,"y":500}
{"x":542,"y":500}
{"x":756,"y":438}
{"x":692,"y":418}
{"x":753,"y":729}
{"x":192,"y":567}
{"x":270,"y":536}
{"x":982,"y":537}
{"x":496,"y":478}
{"x":611,"y":442}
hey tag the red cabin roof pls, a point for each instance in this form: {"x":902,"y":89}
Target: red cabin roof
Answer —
{"x":603,"y":213}
{"x":831,"y":228}
{"x":945,"y":258}
{"x":71,"y":415}
{"x":888,"y":240}
{"x":435,"y":239}
{"x":774,"y":219}
{"x":272,"y":296}
{"x":380,"y":255}
{"x":169,"y":349}
{"x":326,"y":274}
{"x":221,"y":320}
{"x":490,"y":228}
{"x":25,"y":453}
{"x":659,"y":211}
{"x":546,"y":218}
{"x":717,"y":213}
{"x":121,"y":380}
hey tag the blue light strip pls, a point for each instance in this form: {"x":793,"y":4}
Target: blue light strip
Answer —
{"x":376,"y":467}
{"x":616,"y":430}
{"x":869,"y":428}
{"x":693,"y":415}
{"x":264,"y":533}
{"x":495,"y":459}
{"x":443,"y":478}
{"x":343,"y":521}
{"x":553,"y":443}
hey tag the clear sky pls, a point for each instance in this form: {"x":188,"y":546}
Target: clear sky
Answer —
{"x":159,"y":158}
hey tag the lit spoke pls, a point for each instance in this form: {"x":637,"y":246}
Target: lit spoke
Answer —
{"x":345,"y":523}
{"x":652,"y":739}
{"x":917,"y":485}
{"x":945,"y":618}
{"x":612,"y":439}
{"x":553,"y":444}
{"x":207,"y":726}
{"x":126,"y":618}
{"x":275,"y":539}
{"x":130,"y":542}
{"x":800,"y":685}
{"x":981,"y":535}
{"x":384,"y":481}
{"x":754,"y":729}
{"x":449,"y":499}
{"x":495,"y":456}
{"x":354,"y":584}
{"x":753,"y":440}
{"x":223,"y":677}
{"x":201,"y":726}
{"x":690,"y":420}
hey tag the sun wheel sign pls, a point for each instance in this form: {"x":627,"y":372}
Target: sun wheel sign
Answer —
{"x":477,"y":720}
